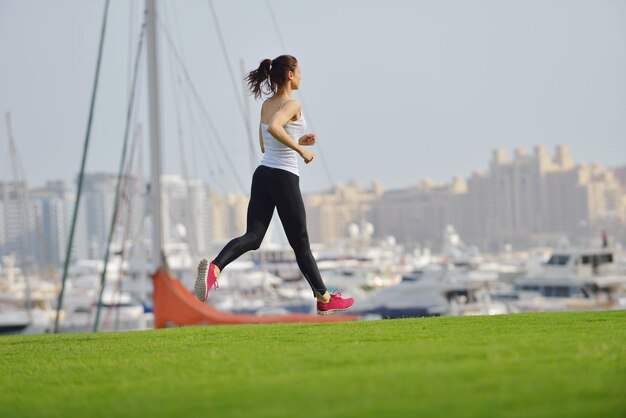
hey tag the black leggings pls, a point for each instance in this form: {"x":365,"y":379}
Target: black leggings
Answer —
{"x":280,"y":189}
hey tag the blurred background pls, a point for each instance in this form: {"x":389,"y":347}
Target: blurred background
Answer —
{"x":469,"y":160}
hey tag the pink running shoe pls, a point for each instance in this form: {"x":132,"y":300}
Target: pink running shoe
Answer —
{"x":206,"y":278}
{"x":335,"y":304}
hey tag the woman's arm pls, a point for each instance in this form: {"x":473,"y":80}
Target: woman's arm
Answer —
{"x":276,"y":128}
{"x":261,"y":140}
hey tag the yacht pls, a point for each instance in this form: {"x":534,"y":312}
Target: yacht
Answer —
{"x":445,"y":293}
{"x":25,"y":306}
{"x":575,"y":279}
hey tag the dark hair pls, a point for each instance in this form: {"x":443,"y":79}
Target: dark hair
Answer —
{"x":270,"y":75}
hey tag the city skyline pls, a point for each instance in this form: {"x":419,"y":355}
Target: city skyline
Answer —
{"x":520,"y":199}
{"x":446,"y":180}
{"x":427,"y":94}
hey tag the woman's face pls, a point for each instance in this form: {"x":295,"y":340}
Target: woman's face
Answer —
{"x":295,"y":78}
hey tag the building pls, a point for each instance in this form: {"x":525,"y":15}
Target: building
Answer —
{"x":34,"y":224}
{"x":417,"y":216}
{"x":529,"y":200}
{"x":537,"y":200}
{"x":18,"y":226}
{"x":54,"y":204}
{"x":329,"y":214}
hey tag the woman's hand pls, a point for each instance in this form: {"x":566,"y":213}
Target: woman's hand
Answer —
{"x":307,"y":139}
{"x":307,"y":156}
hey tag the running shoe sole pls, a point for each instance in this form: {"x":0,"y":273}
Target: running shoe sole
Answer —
{"x":200,"y":289}
{"x":332,"y":311}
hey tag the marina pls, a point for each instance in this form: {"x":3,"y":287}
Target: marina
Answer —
{"x":397,"y":252}
{"x":386,"y":282}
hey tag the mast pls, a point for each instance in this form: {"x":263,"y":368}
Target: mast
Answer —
{"x":19,"y":195}
{"x":81,"y":176}
{"x":19,"y":189}
{"x":155,"y":133}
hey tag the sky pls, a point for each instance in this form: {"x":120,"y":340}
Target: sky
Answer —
{"x":396,"y":91}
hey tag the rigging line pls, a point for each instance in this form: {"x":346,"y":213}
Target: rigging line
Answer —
{"x":176,"y":26}
{"x":173,"y":77}
{"x":22,"y":208}
{"x":213,"y":172}
{"x":137,"y":188}
{"x":215,"y":161}
{"x":231,"y":73}
{"x":129,"y":182}
{"x":205,"y":112}
{"x":177,"y":29}
{"x":140,"y":191}
{"x":124,"y":197}
{"x":195,"y":129}
{"x":181,"y":136}
{"x":206,"y":115}
{"x":131,"y":31}
{"x":141,"y":251}
{"x":30,"y":205}
{"x":188,"y":221}
{"x":127,"y":200}
{"x":304,"y":104}
{"x":191,"y":232}
{"x":241,"y":103}
{"x":82,"y":167}
{"x":275,"y":23}
{"x":131,"y":101}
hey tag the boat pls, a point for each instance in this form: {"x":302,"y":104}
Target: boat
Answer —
{"x":446,"y":294}
{"x":575,"y":279}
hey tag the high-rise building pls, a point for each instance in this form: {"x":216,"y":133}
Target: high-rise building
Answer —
{"x":18,"y":231}
{"x":96,"y":209}
{"x":531,"y":199}
{"x":237,"y":214}
{"x":227,"y":217}
{"x":536,"y":200}
{"x":36,"y":223}
{"x":199,"y":215}
{"x":186,"y":212}
{"x":329,"y":214}
{"x":54,"y":204}
{"x":417,"y":215}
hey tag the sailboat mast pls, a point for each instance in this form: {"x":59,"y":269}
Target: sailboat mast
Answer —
{"x":19,"y":195}
{"x":155,"y":131}
{"x":19,"y":189}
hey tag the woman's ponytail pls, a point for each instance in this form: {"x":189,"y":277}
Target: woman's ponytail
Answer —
{"x":259,"y":79}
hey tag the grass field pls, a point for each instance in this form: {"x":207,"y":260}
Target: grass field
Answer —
{"x":535,"y":365}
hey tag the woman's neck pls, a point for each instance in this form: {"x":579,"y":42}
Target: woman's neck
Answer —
{"x":284,"y":93}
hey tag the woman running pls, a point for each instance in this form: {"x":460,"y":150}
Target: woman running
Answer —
{"x":275,"y":183}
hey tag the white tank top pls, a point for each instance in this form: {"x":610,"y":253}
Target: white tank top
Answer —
{"x":279,"y":155}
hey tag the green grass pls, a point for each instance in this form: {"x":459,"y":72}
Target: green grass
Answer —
{"x":537,"y":365}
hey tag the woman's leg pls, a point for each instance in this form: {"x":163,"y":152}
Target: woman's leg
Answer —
{"x":290,"y":206}
{"x":260,"y":211}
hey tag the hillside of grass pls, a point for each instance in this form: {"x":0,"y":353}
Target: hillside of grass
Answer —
{"x":532,"y":365}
